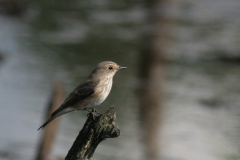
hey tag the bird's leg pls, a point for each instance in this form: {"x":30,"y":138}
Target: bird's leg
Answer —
{"x":94,"y":110}
{"x":88,"y":110}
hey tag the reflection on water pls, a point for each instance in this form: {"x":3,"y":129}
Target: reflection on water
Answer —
{"x":201,"y":119}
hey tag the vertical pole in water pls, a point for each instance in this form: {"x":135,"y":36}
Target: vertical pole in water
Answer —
{"x":152,"y":74}
{"x":49,"y":134}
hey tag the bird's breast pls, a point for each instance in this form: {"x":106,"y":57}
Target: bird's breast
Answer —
{"x":101,"y":93}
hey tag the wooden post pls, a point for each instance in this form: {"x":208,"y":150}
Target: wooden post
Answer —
{"x":49,"y":134}
{"x":152,"y":74}
{"x":95,"y":130}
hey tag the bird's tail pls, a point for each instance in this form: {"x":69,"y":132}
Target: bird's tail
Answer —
{"x":55,"y":116}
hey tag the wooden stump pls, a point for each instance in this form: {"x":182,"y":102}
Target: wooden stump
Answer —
{"x":96,"y":129}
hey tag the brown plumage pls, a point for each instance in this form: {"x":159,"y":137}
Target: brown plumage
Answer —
{"x":90,"y":93}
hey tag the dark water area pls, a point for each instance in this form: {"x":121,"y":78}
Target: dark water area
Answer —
{"x":65,"y":40}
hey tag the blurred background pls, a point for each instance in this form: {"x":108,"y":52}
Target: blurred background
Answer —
{"x":178,"y":99}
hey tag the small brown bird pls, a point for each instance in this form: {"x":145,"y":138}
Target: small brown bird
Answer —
{"x":91,"y":93}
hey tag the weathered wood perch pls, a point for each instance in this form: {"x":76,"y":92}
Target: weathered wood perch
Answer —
{"x":95,"y":130}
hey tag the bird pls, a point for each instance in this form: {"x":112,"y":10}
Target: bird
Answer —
{"x":91,"y":92}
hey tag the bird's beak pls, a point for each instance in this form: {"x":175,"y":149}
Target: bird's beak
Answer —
{"x":120,"y":67}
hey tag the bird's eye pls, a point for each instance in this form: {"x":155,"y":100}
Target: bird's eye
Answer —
{"x":110,"y":68}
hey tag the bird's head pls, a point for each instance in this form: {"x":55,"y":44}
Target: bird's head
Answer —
{"x":106,"y":69}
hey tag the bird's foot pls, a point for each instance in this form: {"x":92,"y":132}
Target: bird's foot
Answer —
{"x":94,"y":110}
{"x":94,"y":113}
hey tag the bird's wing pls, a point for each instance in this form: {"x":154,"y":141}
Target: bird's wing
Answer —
{"x":83,"y":91}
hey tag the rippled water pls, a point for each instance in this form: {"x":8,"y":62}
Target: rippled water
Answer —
{"x":201,"y":116}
